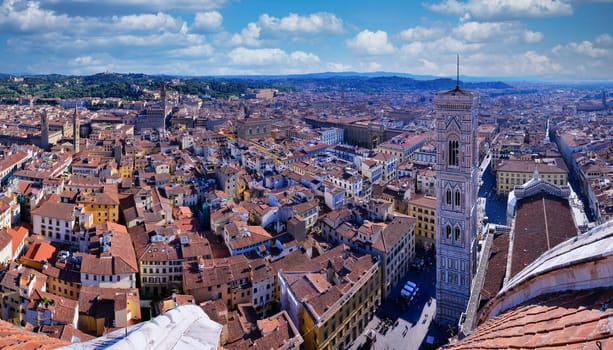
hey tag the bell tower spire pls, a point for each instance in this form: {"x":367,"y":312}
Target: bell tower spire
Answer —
{"x":457,"y":81}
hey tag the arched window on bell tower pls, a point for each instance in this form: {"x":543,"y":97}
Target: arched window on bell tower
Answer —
{"x":458,"y":233}
{"x":458,"y":198}
{"x":448,"y":197}
{"x":454,"y":150}
{"x":448,"y":231}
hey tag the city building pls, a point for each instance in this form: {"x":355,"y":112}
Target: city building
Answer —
{"x":59,"y":222}
{"x":227,"y":178}
{"x":111,"y":262}
{"x":389,"y":166}
{"x":18,"y":286}
{"x":512,"y":173}
{"x":331,"y":136}
{"x":372,"y":170}
{"x":161,"y":254}
{"x":241,"y":238}
{"x":457,"y":172}
{"x":227,"y":279}
{"x":253,"y":128}
{"x":106,"y":309}
{"x":423,"y":208}
{"x":102,"y":207}
{"x":331,"y":298}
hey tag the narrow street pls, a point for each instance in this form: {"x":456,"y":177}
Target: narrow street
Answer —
{"x":495,"y":205}
{"x":400,"y":325}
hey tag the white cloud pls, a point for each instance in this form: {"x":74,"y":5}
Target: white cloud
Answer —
{"x":21,"y":16}
{"x":482,"y":31}
{"x":321,"y":22}
{"x":208,"y":21}
{"x":155,"y":5}
{"x":413,"y":49}
{"x":372,"y":43}
{"x":495,"y":31}
{"x":25,"y":18}
{"x":269,"y":56}
{"x":301,"y":56}
{"x":372,"y":66}
{"x":496,"y":9}
{"x":146,"y":22}
{"x":532,"y":37}
{"x":428,"y":66}
{"x":84,"y":61}
{"x":337,"y":67}
{"x":249,"y":36}
{"x":586,"y":48}
{"x":421,"y":33}
{"x":521,"y":64}
{"x":604,"y":40}
{"x":202,"y":50}
{"x":452,"y":45}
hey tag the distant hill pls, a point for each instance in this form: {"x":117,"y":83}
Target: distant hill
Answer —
{"x":133,"y":86}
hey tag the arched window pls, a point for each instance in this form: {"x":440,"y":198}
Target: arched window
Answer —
{"x":448,"y":197}
{"x":454,"y":148}
{"x":457,"y":233}
{"x":458,"y":198}
{"x":448,"y":232}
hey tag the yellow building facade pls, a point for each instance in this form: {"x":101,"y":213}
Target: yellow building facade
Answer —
{"x":511,"y":173}
{"x":423,"y":208}
{"x":346,"y":319}
{"x":102,"y":206}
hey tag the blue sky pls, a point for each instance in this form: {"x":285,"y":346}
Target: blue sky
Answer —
{"x":545,"y":39}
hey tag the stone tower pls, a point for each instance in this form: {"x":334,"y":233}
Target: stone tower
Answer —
{"x":76,"y":130}
{"x":163,"y":104}
{"x":456,"y":200}
{"x":44,"y":131}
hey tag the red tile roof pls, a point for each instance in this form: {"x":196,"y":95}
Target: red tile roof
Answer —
{"x":39,"y":251}
{"x":569,"y":320}
{"x":542,"y":222}
{"x":18,"y":235}
{"x":496,"y":266}
{"x":17,"y":338}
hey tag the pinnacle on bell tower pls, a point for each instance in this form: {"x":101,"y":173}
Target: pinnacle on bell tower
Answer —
{"x":456,"y":199}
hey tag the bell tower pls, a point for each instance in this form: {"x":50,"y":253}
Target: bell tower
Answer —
{"x":456,"y":200}
{"x":44,"y":131}
{"x":75,"y":129}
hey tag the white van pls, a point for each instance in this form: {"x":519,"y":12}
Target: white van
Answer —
{"x":411,"y":284}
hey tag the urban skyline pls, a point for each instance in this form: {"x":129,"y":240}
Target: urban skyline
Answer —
{"x":213,"y":174}
{"x":538,"y":39}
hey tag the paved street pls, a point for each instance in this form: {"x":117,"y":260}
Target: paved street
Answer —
{"x":495,"y":206}
{"x":414,"y":320}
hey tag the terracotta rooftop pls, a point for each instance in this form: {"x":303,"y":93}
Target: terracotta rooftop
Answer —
{"x":40,"y":250}
{"x":60,"y":211}
{"x":568,"y":320}
{"x":17,"y":338}
{"x":542,"y":222}
{"x":497,"y":266}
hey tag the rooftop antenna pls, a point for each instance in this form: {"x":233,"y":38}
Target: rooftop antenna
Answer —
{"x":457,"y":85}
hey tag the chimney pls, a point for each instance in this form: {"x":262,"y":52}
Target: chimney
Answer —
{"x":330,"y":272}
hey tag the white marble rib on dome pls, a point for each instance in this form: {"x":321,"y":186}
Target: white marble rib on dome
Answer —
{"x":184,"y":327}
